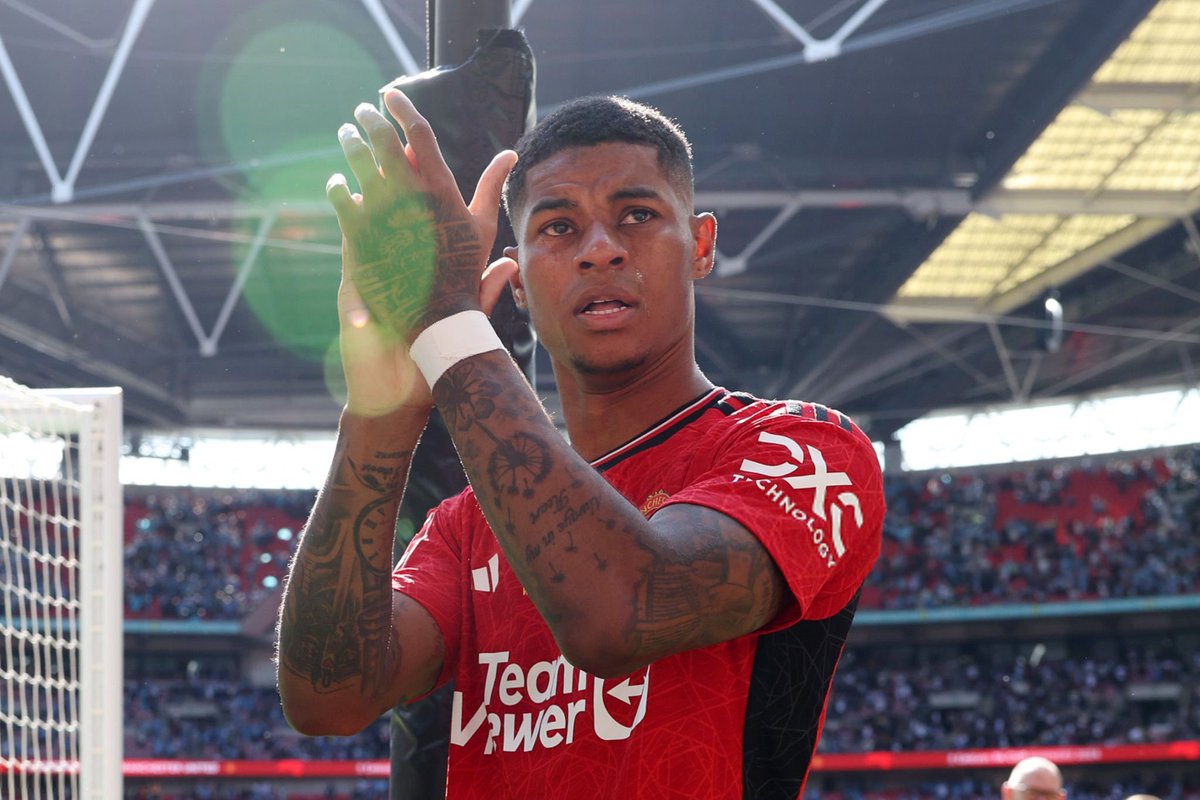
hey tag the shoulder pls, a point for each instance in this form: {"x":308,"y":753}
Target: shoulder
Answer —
{"x":796,"y":446}
{"x":812,"y":453}
{"x":807,"y":481}
{"x":455,"y":515}
{"x":811,"y":422}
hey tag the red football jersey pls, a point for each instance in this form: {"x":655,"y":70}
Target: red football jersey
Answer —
{"x":738,"y":719}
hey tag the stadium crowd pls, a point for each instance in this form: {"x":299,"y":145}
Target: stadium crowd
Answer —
{"x":976,"y":700}
{"x":1120,"y":529}
{"x":1119,"y":788}
{"x":1088,"y":531}
{"x":987,"y":698}
{"x":1092,"y":531}
{"x":818,"y":789}
{"x":207,"y":555}
{"x":201,"y":790}
{"x":215,"y":718}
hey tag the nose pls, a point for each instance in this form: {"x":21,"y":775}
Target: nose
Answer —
{"x":600,"y":247}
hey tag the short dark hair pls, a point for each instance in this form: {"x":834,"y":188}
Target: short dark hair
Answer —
{"x":598,"y":120}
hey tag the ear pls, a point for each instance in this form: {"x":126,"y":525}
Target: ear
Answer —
{"x":514,"y":281}
{"x":704,"y":238}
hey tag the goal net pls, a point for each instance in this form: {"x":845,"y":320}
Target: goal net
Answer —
{"x":60,"y":593}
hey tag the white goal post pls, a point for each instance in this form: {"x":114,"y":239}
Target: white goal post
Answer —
{"x":61,"y":604}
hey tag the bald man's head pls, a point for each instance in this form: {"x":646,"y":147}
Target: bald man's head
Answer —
{"x":1034,"y":778}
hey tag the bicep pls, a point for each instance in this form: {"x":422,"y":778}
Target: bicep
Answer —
{"x":708,"y":580}
{"x":418,"y":651}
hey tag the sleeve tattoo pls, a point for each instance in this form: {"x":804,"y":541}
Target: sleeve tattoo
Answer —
{"x":338,"y":614}
{"x":704,"y":581}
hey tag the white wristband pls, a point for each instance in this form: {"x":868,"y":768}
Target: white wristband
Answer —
{"x":448,"y":341}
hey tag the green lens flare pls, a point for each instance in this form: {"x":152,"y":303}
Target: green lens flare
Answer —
{"x":272,"y":107}
{"x":335,"y":377}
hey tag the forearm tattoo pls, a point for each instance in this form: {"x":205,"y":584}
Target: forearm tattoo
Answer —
{"x":336,"y":627}
{"x":564,"y":528}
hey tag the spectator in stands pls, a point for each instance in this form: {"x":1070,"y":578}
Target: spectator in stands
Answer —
{"x":1116,"y":530}
{"x":1034,"y":778}
{"x":987,"y":697}
{"x":201,"y":556}
{"x":961,"y":539}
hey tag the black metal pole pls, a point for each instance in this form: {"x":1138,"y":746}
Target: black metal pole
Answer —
{"x":475,"y":107}
{"x":452,"y":27}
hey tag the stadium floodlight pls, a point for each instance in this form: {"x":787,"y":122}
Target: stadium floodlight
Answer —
{"x":1052,"y":337}
{"x":60,"y":593}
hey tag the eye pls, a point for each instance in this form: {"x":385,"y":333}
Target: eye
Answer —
{"x":556,"y":228}
{"x":636,"y":216}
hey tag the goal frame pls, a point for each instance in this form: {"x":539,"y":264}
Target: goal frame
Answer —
{"x":101,"y":586}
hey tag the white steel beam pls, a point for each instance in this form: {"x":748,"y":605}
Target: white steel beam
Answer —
{"x":207,"y":341}
{"x":1010,"y":375}
{"x":961,"y":15}
{"x":384,"y":23}
{"x":70,"y":353}
{"x":1189,"y":225}
{"x":59,"y":27}
{"x":64,"y":192}
{"x":1075,"y":266}
{"x":28,"y":117}
{"x":1109,"y":97}
{"x":63,"y":186}
{"x":518,"y":10}
{"x":1152,"y":280}
{"x":13,"y":247}
{"x":208,"y":346}
{"x":1035,"y":363}
{"x":857,"y":19}
{"x":56,"y":285}
{"x":920,"y":202}
{"x":168,"y":271}
{"x":1179,"y":333}
{"x":819,"y":49}
{"x":734,"y":265}
{"x":1166,"y":205}
{"x":785,"y":21}
{"x":896,"y":366}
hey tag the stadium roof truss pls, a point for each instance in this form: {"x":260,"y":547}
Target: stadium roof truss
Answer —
{"x":879,"y":250}
{"x":1119,"y":163}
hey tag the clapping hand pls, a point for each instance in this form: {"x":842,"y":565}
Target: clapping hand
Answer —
{"x":413,"y":251}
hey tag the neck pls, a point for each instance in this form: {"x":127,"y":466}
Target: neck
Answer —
{"x":600,"y":415}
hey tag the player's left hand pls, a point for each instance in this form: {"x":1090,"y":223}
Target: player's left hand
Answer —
{"x":380,"y":376}
{"x":419,"y":250}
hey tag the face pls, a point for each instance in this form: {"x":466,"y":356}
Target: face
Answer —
{"x":608,"y":250}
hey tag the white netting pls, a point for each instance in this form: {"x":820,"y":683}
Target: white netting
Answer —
{"x":40,"y":594}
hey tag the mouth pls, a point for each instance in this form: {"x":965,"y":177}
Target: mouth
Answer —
{"x":604,"y":306}
{"x":606,"y":309}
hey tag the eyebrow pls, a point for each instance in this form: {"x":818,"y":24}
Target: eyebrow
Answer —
{"x":630,"y":193}
{"x":551,"y":204}
{"x":635,"y":193}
